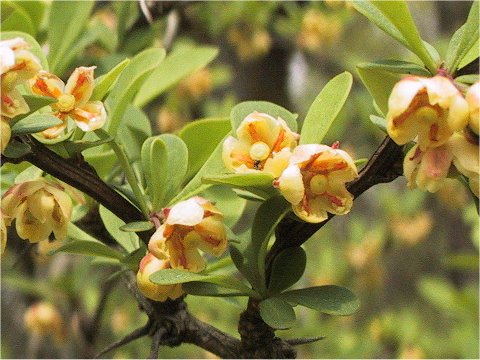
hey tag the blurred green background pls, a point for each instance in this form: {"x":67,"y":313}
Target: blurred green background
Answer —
{"x":411,"y":257}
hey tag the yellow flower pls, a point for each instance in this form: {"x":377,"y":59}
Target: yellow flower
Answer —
{"x":190,"y":225}
{"x":44,"y":319}
{"x":318,"y":29}
{"x":39,"y":207}
{"x":17,"y":65}
{"x":73,"y":100}
{"x":149,"y":265}
{"x":428,"y":169}
{"x":264,"y":144}
{"x":429,"y":109}
{"x":6,"y":133}
{"x":473,"y":100}
{"x":466,"y":159}
{"x":314,"y":182}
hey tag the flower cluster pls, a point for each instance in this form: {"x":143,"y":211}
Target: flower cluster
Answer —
{"x":40,"y":208}
{"x":311,"y":177}
{"x":444,"y":124}
{"x":188,"y":226}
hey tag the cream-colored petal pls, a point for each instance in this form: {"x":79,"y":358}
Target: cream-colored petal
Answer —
{"x":258,"y":127}
{"x":433,"y":168}
{"x":41,"y":204}
{"x":28,"y":227}
{"x":91,"y":117}
{"x":187,"y":213}
{"x":402,"y":95}
{"x":157,"y":245}
{"x":47,"y":84}
{"x":278,"y":162}
{"x":304,"y":153}
{"x":81,"y":84}
{"x":316,"y":216}
{"x":290,"y":184}
{"x":13,"y":104}
{"x":56,"y":131}
{"x":213,"y":235}
{"x":458,"y":114}
{"x":7,"y":58}
{"x":473,"y":100}
{"x":465,"y":155}
{"x":62,"y":199}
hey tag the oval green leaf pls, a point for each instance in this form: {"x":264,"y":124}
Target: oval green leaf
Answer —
{"x":287,"y":268}
{"x":137,"y":226}
{"x":104,"y":83}
{"x":91,"y":248}
{"x":277,"y":313}
{"x":35,"y":123}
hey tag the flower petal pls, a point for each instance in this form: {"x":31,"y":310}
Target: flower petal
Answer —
{"x":91,"y":117}
{"x":47,"y":84}
{"x":187,"y":212}
{"x":81,"y":84}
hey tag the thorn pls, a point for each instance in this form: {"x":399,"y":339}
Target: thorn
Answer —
{"x":303,"y":341}
{"x":146,"y":12}
{"x":134,"y":335}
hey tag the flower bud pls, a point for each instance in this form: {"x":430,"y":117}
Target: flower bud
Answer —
{"x":40,"y":208}
{"x":426,"y":109}
{"x":149,"y":265}
{"x":43,"y":319}
{"x":314,"y":182}
{"x":264,"y":144}
{"x":191,"y":225}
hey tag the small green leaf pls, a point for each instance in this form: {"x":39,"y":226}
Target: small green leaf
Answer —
{"x":16,"y":150}
{"x":66,"y":21}
{"x":379,"y":84}
{"x":242,"y":110}
{"x":230,"y":205}
{"x":176,"y":66}
{"x":35,"y":48}
{"x":35,"y":123}
{"x":104,"y":83}
{"x":92,"y":248}
{"x":380,"y":122}
{"x":257,"y":183}
{"x":35,"y":102}
{"x":14,"y":17}
{"x":128,"y":83}
{"x":328,"y":299}
{"x":470,"y":56}
{"x":35,"y":10}
{"x":207,"y":289}
{"x":277,"y":313}
{"x":134,"y":129}
{"x":463,"y":40}
{"x":75,"y":233}
{"x":137,"y":226}
{"x":288,"y":267}
{"x":396,"y":66}
{"x":468,"y":79}
{"x":201,"y":138}
{"x":129,"y":241}
{"x":325,"y":109}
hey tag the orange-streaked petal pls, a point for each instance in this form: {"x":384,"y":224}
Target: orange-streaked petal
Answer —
{"x":47,"y":84}
{"x":91,"y":117}
{"x":13,"y":104}
{"x":81,"y":84}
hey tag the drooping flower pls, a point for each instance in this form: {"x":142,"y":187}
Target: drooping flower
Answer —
{"x":428,"y":169}
{"x":428,"y":109}
{"x":149,"y":265}
{"x":190,"y":225}
{"x":17,"y":65}
{"x":40,"y":208}
{"x":44,"y":319}
{"x":264,"y":144}
{"x":466,"y":159}
{"x":473,"y":100}
{"x":73,"y":100}
{"x":5,"y":133}
{"x":314,"y":182}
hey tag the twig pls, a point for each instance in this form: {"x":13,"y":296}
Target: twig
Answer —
{"x":304,"y":341}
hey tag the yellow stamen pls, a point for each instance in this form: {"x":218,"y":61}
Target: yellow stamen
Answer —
{"x":318,"y":184}
{"x":259,"y":151}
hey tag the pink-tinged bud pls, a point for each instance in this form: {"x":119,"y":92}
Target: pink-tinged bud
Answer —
{"x":17,"y":65}
{"x":314,"y":182}
{"x":149,"y":265}
{"x":473,"y":100}
{"x":6,"y":133}
{"x":263,"y":143}
{"x":191,"y":225}
{"x":44,"y":319}
{"x":40,"y":208}
{"x":73,"y":100}
{"x":429,"y":110}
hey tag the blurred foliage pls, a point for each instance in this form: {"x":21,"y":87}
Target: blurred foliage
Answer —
{"x":411,"y":257}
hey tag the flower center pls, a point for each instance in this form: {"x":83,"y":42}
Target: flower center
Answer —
{"x":319,"y":184}
{"x":259,"y":151}
{"x":66,"y":103}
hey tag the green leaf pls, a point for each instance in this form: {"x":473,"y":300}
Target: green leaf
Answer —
{"x":177,"y":276}
{"x":15,"y":18}
{"x":66,"y":21}
{"x":213,"y":166}
{"x":327,"y":299}
{"x":325,"y":109}
{"x":257,"y":183}
{"x":463,"y":40}
{"x":470,"y":56}
{"x":398,"y":14}
{"x":379,"y":84}
{"x":35,"y":123}
{"x":91,"y":248}
{"x":164,"y":163}
{"x":35,"y":10}
{"x":176,"y":66}
{"x":462,"y":261}
{"x":104,"y":83}
{"x":287,"y":268}
{"x":468,"y":79}
{"x":440,"y":293}
{"x":137,"y":226}
{"x":396,"y":67}
{"x":16,"y":150}
{"x":134,"y":129}
{"x":30,"y":173}
{"x":380,"y":122}
{"x":133,"y":259}
{"x":201,"y":138}
{"x":242,"y":110}
{"x":128,"y":83}
{"x":277,"y":313}
{"x":35,"y":48}
{"x":129,"y":241}
{"x":207,"y":289}
{"x":75,"y":233}
{"x":35,"y":102}
{"x":230,"y":205}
